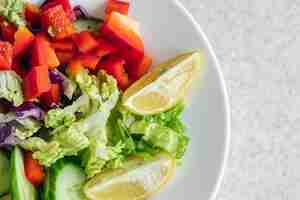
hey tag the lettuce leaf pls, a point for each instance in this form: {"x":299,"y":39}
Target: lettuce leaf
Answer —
{"x":66,"y":116}
{"x":11,"y":87}
{"x":145,"y":135}
{"x":161,"y":137}
{"x":13,"y":11}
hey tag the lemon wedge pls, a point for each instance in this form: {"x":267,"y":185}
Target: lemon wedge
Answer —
{"x":138,"y":180}
{"x":164,"y":86}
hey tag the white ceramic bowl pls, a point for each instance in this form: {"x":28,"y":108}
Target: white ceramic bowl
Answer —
{"x":168,"y":29}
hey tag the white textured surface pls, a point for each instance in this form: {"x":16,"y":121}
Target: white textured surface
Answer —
{"x":258,"y":45}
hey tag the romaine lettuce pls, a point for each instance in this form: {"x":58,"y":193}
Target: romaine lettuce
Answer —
{"x":11,"y":87}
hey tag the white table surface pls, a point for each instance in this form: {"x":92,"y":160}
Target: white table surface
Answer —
{"x":258,"y":45}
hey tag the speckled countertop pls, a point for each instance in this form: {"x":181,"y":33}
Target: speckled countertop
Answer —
{"x":258,"y":45}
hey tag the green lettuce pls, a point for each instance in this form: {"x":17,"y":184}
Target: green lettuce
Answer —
{"x":46,"y":153}
{"x":104,"y":95}
{"x":66,"y":116}
{"x":145,"y":135}
{"x":26,"y":127}
{"x":13,"y":11}
{"x":87,"y":133}
{"x":11,"y":87}
{"x":161,"y":137}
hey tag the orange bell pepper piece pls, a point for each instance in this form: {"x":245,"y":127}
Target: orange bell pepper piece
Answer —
{"x":6,"y":54}
{"x":85,"y":41}
{"x":51,"y":98}
{"x":124,"y":32}
{"x":120,"y":6}
{"x":36,"y":82}
{"x":43,"y":54}
{"x":23,"y":40}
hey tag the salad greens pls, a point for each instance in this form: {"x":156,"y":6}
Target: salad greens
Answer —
{"x":11,"y":87}
{"x":12,"y":10}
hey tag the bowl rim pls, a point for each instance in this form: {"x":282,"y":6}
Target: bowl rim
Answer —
{"x":226,"y":148}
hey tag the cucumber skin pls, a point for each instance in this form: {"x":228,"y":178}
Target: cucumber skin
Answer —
{"x":15,"y":193}
{"x":4,"y":159}
{"x":52,"y":174}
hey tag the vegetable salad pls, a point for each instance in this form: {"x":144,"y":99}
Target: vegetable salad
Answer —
{"x":62,"y":77}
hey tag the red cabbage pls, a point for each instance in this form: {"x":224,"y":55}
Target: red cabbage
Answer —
{"x":29,"y":109}
{"x":7,"y":135}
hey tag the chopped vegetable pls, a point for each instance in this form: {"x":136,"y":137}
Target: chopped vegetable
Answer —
{"x":89,"y":61}
{"x":36,"y":82}
{"x":115,"y":66}
{"x":74,"y":67}
{"x":21,"y":188}
{"x":7,"y":31}
{"x":56,"y":22}
{"x":64,"y":57}
{"x":12,"y":10}
{"x":65,"y":180}
{"x":63,"y":45}
{"x":33,"y":15}
{"x":11,"y":87}
{"x":23,"y":40}
{"x":6,"y":55}
{"x":124,"y":32}
{"x":33,"y":170}
{"x":64,"y":3}
{"x":65,"y":117}
{"x":104,"y":48}
{"x":43,"y":54}
{"x":138,"y":71}
{"x":4,"y":175}
{"x":120,"y":6}
{"x":51,"y":98}
{"x":85,"y":41}
{"x":29,"y":109}
{"x":68,"y":86}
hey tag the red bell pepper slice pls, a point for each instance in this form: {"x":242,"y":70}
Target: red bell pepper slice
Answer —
{"x":56,"y":22}
{"x":84,"y":41}
{"x":18,"y":68}
{"x":104,"y":48}
{"x":8,"y":31}
{"x":43,"y":54}
{"x":138,"y":71}
{"x":63,"y":45}
{"x":6,"y":54}
{"x":33,"y":15}
{"x":120,"y":6}
{"x":66,"y":6}
{"x":36,"y":82}
{"x":89,"y":61}
{"x":51,"y":98}
{"x":33,"y":170}
{"x":23,"y":40}
{"x":114,"y":65}
{"x":124,"y":32}
{"x":65,"y":56}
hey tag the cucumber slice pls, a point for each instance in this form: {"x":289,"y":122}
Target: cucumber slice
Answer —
{"x":21,"y":188}
{"x":92,"y":25}
{"x":4,"y":173}
{"x":65,"y":180}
